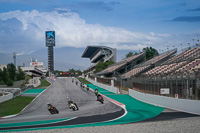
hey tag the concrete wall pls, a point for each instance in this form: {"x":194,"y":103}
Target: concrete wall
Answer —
{"x":190,"y":106}
{"x":34,"y":82}
{"x":14,"y":91}
{"x":6,"y":97}
{"x":107,"y":87}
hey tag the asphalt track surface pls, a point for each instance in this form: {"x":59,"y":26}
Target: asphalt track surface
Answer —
{"x":58,"y":94}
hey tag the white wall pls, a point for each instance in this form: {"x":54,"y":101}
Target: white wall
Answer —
{"x":6,"y":97}
{"x":107,"y":87}
{"x":190,"y":106}
{"x":35,"y":82}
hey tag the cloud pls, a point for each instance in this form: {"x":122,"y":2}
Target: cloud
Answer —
{"x":187,"y":19}
{"x":25,"y":31}
{"x":196,"y":9}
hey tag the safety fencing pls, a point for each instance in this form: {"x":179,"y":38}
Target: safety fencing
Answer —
{"x":185,"y":105}
{"x":107,"y":87}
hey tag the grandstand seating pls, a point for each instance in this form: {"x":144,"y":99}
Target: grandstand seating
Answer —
{"x":134,"y":71}
{"x":159,"y":58}
{"x":141,"y":67}
{"x":164,"y":69}
{"x":190,"y":66}
{"x":186,"y":55}
{"x":120,"y":64}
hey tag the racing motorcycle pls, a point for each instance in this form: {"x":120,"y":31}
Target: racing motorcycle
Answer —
{"x":52,"y":109}
{"x":73,"y":106}
{"x":100,"y":99}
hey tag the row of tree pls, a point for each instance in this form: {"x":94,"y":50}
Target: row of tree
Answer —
{"x":149,"y":53}
{"x":10,"y":74}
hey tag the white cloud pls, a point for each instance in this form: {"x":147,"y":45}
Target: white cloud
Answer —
{"x":26,"y":31}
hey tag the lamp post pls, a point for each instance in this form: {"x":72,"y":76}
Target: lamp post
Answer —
{"x":168,"y":49}
{"x":193,"y":42}
{"x":181,"y":47}
{"x":189,"y":45}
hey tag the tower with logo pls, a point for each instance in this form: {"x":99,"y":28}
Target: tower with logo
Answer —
{"x":50,"y":43}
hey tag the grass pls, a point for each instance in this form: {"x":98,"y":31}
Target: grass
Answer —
{"x":14,"y":106}
{"x":84,"y":81}
{"x":44,"y":84}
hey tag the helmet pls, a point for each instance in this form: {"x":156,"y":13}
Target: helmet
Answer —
{"x":48,"y":104}
{"x":69,"y":101}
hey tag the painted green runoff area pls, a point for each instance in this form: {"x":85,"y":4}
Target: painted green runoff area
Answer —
{"x":136,"y":111}
{"x":14,"y":106}
{"x":35,"y":91}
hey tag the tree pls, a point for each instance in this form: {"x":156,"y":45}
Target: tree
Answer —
{"x":5,"y":75}
{"x":72,"y":70}
{"x":129,"y":54}
{"x":12,"y":71}
{"x":102,"y":65}
{"x":150,"y":52}
{"x":20,"y":74}
{"x":1,"y":78}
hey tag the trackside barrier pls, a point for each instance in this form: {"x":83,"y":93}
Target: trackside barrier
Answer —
{"x":189,"y":106}
{"x":107,"y":87}
{"x":6,"y":97}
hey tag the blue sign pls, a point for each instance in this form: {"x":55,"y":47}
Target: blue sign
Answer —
{"x":50,"y":34}
{"x":50,"y":38}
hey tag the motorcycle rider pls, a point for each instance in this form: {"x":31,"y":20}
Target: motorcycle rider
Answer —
{"x":87,"y":87}
{"x":96,"y":91}
{"x":50,"y":106}
{"x":71,"y":103}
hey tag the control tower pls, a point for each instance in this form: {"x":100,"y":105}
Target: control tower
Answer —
{"x":50,"y":43}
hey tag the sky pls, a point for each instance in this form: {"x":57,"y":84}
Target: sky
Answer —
{"x":125,"y":25}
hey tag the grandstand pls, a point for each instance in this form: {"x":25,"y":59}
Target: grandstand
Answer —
{"x":179,"y":73}
{"x":122,"y":66}
{"x":97,"y":53}
{"x":140,"y":68}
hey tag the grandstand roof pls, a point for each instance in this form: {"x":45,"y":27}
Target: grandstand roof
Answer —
{"x":96,"y":53}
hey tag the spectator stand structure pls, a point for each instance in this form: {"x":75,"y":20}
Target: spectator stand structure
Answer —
{"x":122,"y":67}
{"x":97,"y":53}
{"x":180,"y":75}
{"x":145,"y":66}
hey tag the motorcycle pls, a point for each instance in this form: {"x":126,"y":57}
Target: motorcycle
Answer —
{"x":100,"y":99}
{"x":53,"y":110}
{"x":73,"y":106}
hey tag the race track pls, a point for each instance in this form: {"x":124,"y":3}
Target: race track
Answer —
{"x":58,"y":94}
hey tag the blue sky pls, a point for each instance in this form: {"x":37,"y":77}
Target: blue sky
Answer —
{"x":127,"y":24}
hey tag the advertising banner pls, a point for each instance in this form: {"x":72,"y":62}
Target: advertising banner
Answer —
{"x":50,"y":38}
{"x":164,"y":91}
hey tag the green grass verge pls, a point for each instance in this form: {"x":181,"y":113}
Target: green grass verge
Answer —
{"x":14,"y":106}
{"x":44,"y":84}
{"x":84,"y":81}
